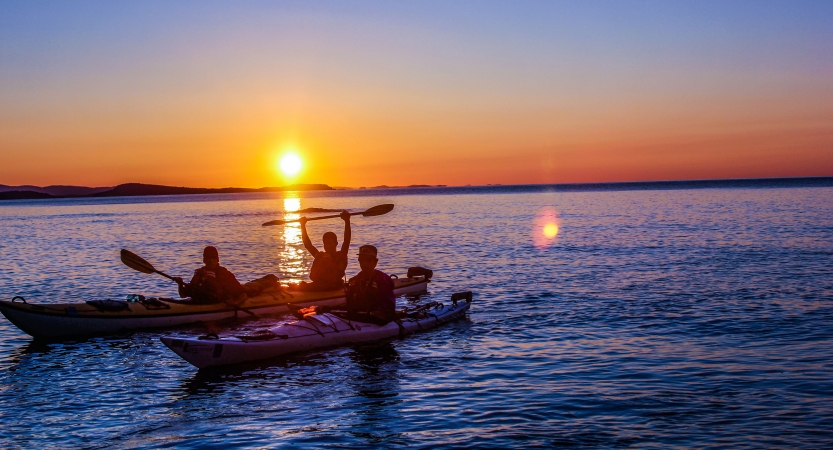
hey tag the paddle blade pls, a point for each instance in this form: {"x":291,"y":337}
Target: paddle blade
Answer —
{"x":136,"y":262}
{"x":274,"y":222}
{"x":378,"y":210}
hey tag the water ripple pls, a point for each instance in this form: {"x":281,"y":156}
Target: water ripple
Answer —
{"x":657,"y":319}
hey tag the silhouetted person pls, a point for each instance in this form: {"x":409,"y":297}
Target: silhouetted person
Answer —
{"x":212,"y":283}
{"x":371,"y":291}
{"x":327,"y":272}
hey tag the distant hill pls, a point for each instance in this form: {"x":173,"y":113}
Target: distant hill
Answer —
{"x":136,"y":189}
{"x":23,"y":195}
{"x":57,"y":190}
{"x":133,"y":189}
{"x":411,"y":186}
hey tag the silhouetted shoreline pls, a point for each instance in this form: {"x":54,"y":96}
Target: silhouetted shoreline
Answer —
{"x":137,"y":189}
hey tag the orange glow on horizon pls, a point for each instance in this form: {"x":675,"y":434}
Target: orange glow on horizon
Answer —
{"x":351,"y":155}
{"x":403,"y":95}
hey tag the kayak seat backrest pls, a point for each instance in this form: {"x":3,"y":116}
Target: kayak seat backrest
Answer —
{"x":461,"y":296}
{"x":417,"y":271}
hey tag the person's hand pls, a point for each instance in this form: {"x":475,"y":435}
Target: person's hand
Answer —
{"x":302,"y":221}
{"x":345,"y":216}
{"x":179,"y":281}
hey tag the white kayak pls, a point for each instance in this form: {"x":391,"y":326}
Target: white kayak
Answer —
{"x":311,"y":332}
{"x":61,"y":320}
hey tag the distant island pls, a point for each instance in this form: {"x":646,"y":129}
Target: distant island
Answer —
{"x":410,"y":186}
{"x":135,"y":189}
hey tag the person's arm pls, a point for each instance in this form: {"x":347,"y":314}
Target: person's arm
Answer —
{"x":305,"y":237}
{"x":183,"y":286}
{"x":345,"y":246}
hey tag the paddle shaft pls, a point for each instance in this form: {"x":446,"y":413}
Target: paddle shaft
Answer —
{"x":333,"y":216}
{"x":377,"y":210}
{"x":244,"y":310}
{"x":165,"y":275}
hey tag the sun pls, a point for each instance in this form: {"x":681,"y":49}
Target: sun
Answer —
{"x":290,"y":164}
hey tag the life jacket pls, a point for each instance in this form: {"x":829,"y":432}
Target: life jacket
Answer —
{"x":328,"y":269}
{"x":213,"y":285}
{"x":370,"y":293}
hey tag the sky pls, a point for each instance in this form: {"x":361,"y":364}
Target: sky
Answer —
{"x":211,"y":94}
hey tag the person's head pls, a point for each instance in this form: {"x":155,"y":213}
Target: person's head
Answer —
{"x":211,"y":257}
{"x":367,"y":257}
{"x":330,"y":242}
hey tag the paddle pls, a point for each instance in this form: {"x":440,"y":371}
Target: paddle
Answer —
{"x":138,"y":263}
{"x":377,"y":210}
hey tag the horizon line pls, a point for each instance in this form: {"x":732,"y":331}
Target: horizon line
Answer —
{"x":414,"y":186}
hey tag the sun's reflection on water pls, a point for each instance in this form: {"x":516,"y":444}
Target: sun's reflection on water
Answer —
{"x":292,"y":257}
{"x":291,"y":204}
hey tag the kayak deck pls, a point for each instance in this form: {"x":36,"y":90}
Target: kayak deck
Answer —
{"x":77,"y":319}
{"x":311,"y":332}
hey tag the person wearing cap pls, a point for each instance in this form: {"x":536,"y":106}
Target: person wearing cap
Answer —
{"x":327,"y":271}
{"x":212,"y":283}
{"x":371,"y":291}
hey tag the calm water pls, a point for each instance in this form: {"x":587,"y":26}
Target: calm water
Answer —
{"x":688,"y":318}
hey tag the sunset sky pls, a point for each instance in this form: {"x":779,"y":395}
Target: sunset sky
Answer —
{"x":211,"y":94}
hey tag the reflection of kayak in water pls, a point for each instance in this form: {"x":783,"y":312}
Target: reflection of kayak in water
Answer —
{"x":110,"y":316}
{"x":313,"y":331}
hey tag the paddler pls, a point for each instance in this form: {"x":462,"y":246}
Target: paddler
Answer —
{"x":327,"y":272}
{"x":212,"y":283}
{"x":371,"y":291}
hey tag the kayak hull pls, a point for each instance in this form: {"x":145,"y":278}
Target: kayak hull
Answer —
{"x":312,"y":332}
{"x":55,"y":321}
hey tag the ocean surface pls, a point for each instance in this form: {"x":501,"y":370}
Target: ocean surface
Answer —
{"x":601,"y":319}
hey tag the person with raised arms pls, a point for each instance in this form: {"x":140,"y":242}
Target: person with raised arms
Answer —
{"x":327,"y":271}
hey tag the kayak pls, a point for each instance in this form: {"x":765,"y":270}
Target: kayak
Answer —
{"x":311,"y":332}
{"x":60,"y":320}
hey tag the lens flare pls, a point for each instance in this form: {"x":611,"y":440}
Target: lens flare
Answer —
{"x":550,"y":230}
{"x":545,"y":227}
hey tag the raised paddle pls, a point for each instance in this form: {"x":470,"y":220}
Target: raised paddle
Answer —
{"x":377,"y":210}
{"x":138,"y":263}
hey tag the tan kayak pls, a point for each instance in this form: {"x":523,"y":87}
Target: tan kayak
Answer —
{"x":60,"y":320}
